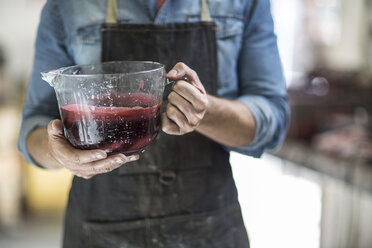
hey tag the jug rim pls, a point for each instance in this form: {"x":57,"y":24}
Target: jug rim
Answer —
{"x":61,"y":71}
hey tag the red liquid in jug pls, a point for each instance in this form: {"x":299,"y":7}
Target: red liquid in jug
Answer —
{"x":128,"y":127}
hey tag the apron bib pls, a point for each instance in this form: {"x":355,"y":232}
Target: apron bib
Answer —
{"x":181,"y":192}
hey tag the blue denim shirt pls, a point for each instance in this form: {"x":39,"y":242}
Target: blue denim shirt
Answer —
{"x":249,"y":68}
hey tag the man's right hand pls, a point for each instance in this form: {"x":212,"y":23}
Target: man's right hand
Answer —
{"x":82,"y":163}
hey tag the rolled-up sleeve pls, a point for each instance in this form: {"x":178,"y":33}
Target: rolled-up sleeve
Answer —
{"x":261,"y":82}
{"x":40,"y":105}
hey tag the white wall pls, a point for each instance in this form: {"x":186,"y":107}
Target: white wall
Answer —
{"x":18,"y":25}
{"x":350,"y":51}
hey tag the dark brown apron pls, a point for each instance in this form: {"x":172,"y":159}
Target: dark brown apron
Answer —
{"x":181,"y":192}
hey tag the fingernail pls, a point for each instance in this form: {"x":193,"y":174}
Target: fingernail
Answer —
{"x":99,"y":156}
{"x":56,"y":125}
{"x":172,"y":73}
{"x":134,"y":157}
{"x":164,"y":128}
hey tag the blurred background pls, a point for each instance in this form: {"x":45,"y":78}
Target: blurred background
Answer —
{"x":315,"y":191}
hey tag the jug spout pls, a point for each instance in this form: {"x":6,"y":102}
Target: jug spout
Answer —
{"x":49,"y":76}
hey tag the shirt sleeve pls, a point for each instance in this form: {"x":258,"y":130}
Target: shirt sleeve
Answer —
{"x":40,"y":106}
{"x":261,"y":82}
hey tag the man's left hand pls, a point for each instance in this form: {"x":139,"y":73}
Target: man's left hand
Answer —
{"x":187,"y":103}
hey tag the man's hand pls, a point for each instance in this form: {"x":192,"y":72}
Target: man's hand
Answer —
{"x":187,"y":103}
{"x":82,"y":163}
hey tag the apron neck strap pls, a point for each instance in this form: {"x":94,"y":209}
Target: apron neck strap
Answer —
{"x":204,"y":11}
{"x":112,"y":16}
{"x":111,"y":12}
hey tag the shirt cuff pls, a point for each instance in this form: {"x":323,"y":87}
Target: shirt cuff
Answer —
{"x":27,"y":126}
{"x":263,"y":115}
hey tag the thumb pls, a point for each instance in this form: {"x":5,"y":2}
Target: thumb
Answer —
{"x":55,"y":128}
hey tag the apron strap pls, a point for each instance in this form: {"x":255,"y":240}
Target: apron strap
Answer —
{"x":204,"y":11}
{"x":111,"y":12}
{"x":112,"y":16}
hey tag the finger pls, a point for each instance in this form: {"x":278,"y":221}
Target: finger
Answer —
{"x":109,"y":164}
{"x":84,"y":176}
{"x":191,"y":94}
{"x":55,"y":128}
{"x":185,"y":107}
{"x":178,"y":118}
{"x":64,"y":152}
{"x":169,"y":126}
{"x":180,"y":70}
{"x":71,"y":156}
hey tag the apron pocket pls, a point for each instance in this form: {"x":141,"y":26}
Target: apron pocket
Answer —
{"x":115,"y":235}
{"x":213,"y":230}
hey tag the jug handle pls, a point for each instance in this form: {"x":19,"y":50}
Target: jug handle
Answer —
{"x":184,"y":78}
{"x":170,"y":81}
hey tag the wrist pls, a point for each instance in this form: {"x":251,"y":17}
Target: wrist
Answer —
{"x":209,"y":113}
